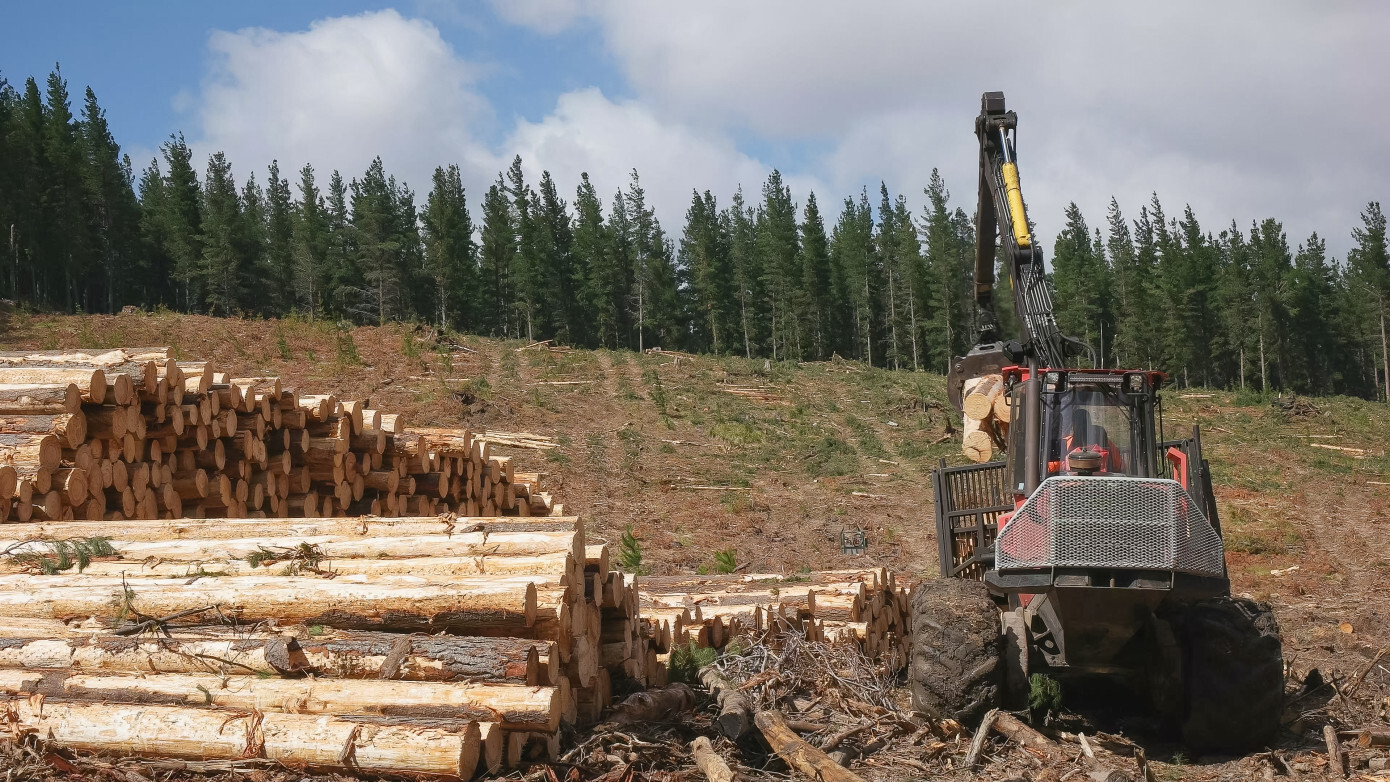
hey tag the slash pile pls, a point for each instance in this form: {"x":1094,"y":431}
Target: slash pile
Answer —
{"x":868,"y":606}
{"x":133,"y":434}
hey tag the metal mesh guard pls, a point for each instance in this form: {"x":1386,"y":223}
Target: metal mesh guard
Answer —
{"x":1111,"y":522}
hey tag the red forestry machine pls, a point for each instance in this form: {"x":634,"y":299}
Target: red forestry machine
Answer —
{"x":1094,"y":549}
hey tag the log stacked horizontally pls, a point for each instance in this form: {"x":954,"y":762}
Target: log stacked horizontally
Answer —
{"x":443,"y":646}
{"x":865,"y":606}
{"x":132,"y":433}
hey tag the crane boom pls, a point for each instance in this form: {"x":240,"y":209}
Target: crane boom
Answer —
{"x":1001,"y":218}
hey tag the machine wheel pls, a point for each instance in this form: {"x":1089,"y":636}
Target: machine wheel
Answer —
{"x":1233,"y":674}
{"x":956,"y":672}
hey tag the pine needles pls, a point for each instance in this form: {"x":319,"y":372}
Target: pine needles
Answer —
{"x":62,"y":555}
{"x":300,"y":559}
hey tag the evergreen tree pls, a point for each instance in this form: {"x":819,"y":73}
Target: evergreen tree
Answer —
{"x":1369,"y":274}
{"x":279,"y":222}
{"x":1314,"y":349}
{"x":497,"y":252}
{"x":223,"y":240}
{"x":781,"y":274}
{"x":378,"y":245}
{"x":1077,"y":276}
{"x":451,"y":258}
{"x":181,"y":222}
{"x":705,"y":251}
{"x":654,"y":299}
{"x":741,"y":227}
{"x":818,"y":317}
{"x":944,"y":331}
{"x":1271,"y":268}
{"x":857,"y":266}
{"x":528,"y":272}
{"x":596,"y":280}
{"x":558,"y":310}
{"x":112,"y":213}
{"x":309,"y":244}
{"x":255,"y":251}
{"x":344,"y":277}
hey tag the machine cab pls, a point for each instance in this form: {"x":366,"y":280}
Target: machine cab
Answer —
{"x":1093,"y":422}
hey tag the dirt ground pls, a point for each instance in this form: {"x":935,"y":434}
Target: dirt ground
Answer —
{"x":774,"y":462}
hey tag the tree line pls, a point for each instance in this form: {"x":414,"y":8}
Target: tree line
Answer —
{"x":760,"y":275}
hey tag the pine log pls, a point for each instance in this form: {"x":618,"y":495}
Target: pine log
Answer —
{"x":230,"y":528}
{"x":69,"y":428}
{"x":710,"y":764}
{"x":35,"y":451}
{"x":270,"y":655}
{"x":735,"y":709}
{"x":494,"y":747}
{"x":39,"y":398}
{"x":432,"y":658}
{"x":514,"y":706}
{"x":91,"y":383}
{"x":482,"y":603}
{"x":797,"y":753}
{"x":978,"y":441}
{"x":979,"y":400}
{"x":346,"y":745}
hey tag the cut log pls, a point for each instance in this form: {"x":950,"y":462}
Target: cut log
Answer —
{"x":654,"y":705}
{"x":978,"y":441}
{"x":432,"y":658}
{"x":39,"y":398}
{"x":223,"y":529}
{"x":91,"y":383}
{"x":1008,"y":725}
{"x":34,"y":451}
{"x":346,"y":745}
{"x":797,"y":753}
{"x":735,"y":709}
{"x":272,"y":655}
{"x":481,"y":604}
{"x":710,"y":764}
{"x":1336,"y":763}
{"x":514,"y":706}
{"x":69,"y":428}
{"x":979,"y":400}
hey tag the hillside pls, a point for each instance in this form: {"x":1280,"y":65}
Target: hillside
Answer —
{"x":703,"y":454}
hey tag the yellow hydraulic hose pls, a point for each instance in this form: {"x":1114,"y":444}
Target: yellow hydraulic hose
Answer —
{"x":1015,"y":198}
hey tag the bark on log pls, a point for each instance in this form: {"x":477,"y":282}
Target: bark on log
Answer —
{"x":797,"y":753}
{"x":735,"y":709}
{"x":710,"y":764}
{"x":654,"y":705}
{"x":514,"y":706}
{"x":1335,"y":762}
{"x":69,"y":428}
{"x":486,"y":604}
{"x":39,"y":398}
{"x":36,"y":451}
{"x":432,"y":658}
{"x":346,"y":745}
{"x":1008,"y":725}
{"x":360,"y":528}
{"x":273,"y":655}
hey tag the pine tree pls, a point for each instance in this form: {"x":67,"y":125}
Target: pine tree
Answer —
{"x":1315,"y":352}
{"x":255,"y":252}
{"x":1369,"y":271}
{"x":781,"y":274}
{"x":279,"y":208}
{"x":596,"y":280}
{"x":451,"y":258}
{"x":558,"y":310}
{"x":112,"y":213}
{"x":344,"y":276}
{"x":818,"y":317}
{"x":64,"y":232}
{"x":741,"y":226}
{"x":221,"y":271}
{"x":654,"y":300}
{"x":181,"y":222}
{"x":1077,"y":276}
{"x":497,"y":252}
{"x":309,"y":244}
{"x":705,"y":252}
{"x":528,"y":272}
{"x":942,"y":286}
{"x":857,"y":265}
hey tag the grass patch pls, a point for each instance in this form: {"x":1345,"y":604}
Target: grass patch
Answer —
{"x":831,"y":456}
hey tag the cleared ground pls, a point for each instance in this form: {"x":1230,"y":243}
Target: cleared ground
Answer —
{"x":772,"y":461}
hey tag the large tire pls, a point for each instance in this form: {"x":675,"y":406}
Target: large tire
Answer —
{"x":956,"y":672}
{"x":1233,"y":674}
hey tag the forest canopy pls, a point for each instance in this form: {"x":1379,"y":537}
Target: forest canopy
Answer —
{"x":760,"y":274}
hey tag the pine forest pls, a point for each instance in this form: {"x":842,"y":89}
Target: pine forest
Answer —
{"x":761,"y":274}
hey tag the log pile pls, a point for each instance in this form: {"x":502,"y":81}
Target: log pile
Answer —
{"x":134,"y":434}
{"x":987,"y":412}
{"x":867,"y":606}
{"x":440,"y":645}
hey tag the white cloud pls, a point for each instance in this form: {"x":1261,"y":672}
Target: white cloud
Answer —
{"x":340,"y":93}
{"x":547,"y":17}
{"x":589,"y":132}
{"x":1245,"y":109}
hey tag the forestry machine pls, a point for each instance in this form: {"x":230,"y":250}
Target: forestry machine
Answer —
{"x":1094,"y":549}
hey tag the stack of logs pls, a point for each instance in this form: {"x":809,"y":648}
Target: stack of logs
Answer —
{"x":133,"y":434}
{"x":443,"y":646}
{"x":868,"y":606}
{"x":986,"y":410}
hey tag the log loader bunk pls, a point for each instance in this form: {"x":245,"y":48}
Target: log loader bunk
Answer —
{"x":1094,"y":548}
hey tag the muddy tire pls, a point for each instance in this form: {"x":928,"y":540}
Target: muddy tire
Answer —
{"x":1233,"y":674}
{"x":956,"y":671}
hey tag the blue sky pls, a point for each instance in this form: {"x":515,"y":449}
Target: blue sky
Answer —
{"x":1241,"y":109}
